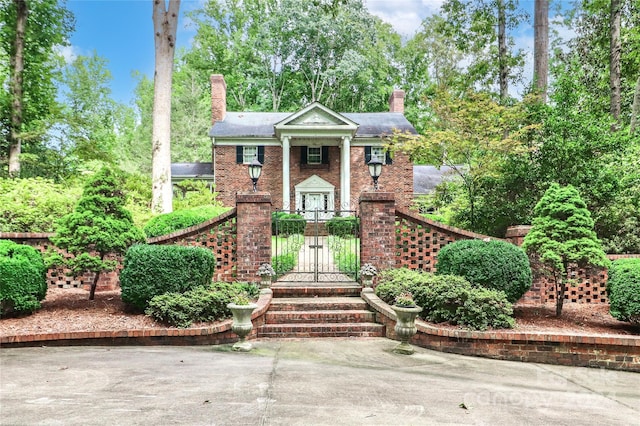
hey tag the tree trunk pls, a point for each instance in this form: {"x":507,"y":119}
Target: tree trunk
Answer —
{"x":165,"y":24}
{"x":541,"y":48}
{"x":94,"y":285}
{"x":635,"y":109}
{"x":17,"y":65}
{"x":502,"y":52}
{"x":614,"y":66}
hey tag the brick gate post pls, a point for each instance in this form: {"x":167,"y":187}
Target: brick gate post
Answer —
{"x":253,"y":229}
{"x":377,"y":229}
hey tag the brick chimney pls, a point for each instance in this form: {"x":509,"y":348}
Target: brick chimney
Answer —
{"x":396,"y":101}
{"x":218,"y":98}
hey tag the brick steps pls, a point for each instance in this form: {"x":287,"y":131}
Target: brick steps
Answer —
{"x":301,"y":310}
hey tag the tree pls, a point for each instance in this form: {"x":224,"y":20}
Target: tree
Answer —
{"x":614,"y":58}
{"x":541,"y":47}
{"x":562,"y":236}
{"x":99,"y":226}
{"x":29,"y":35}
{"x":165,"y":25}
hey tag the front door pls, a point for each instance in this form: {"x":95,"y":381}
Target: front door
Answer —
{"x":312,"y":202}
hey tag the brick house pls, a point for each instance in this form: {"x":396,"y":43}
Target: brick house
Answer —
{"x":314,"y":158}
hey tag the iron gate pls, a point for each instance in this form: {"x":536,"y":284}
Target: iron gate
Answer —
{"x":315,"y":245}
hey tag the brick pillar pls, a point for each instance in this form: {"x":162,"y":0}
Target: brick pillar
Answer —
{"x":515,"y":234}
{"x":377,"y":229}
{"x":253,"y":228}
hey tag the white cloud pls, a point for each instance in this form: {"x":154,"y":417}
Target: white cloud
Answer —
{"x":404,"y":15}
{"x":69,"y":52}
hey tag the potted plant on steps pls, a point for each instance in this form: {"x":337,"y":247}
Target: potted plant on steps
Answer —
{"x":406,"y":312}
{"x":367,"y":272}
{"x":242,"y":308}
{"x":265,"y":272}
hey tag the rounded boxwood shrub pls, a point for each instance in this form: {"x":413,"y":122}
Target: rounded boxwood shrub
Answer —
{"x":287,"y":224}
{"x":343,"y":226}
{"x":180,"y":219}
{"x":496,"y":265}
{"x":23,"y":281}
{"x":623,"y":288}
{"x":151,"y":270}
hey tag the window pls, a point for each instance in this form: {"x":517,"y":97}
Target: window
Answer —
{"x":249,"y":153}
{"x":314,"y":155}
{"x":378,"y":151}
{"x":246,"y":153}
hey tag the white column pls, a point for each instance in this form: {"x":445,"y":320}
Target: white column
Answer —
{"x":286,"y":190}
{"x":345,"y":174}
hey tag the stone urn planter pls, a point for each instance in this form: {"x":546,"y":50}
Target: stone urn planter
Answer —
{"x":265,"y":272}
{"x":367,"y":272}
{"x":405,"y":327}
{"x":242,"y":324}
{"x":265,"y":281}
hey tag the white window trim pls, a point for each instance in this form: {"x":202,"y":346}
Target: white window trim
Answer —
{"x":318,"y":155}
{"x":379,"y":152}
{"x":249,"y":152}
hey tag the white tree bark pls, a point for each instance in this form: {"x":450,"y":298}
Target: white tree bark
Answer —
{"x":165,"y":24}
{"x":614,"y":68}
{"x":17,"y":65}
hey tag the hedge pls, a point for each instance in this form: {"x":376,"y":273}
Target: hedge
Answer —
{"x":181,"y":219}
{"x":343,"y":226}
{"x":287,"y":224}
{"x":495,"y":265}
{"x":23,"y":281}
{"x":151,"y":270}
{"x":623,"y":288}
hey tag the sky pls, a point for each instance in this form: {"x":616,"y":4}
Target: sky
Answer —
{"x":122,"y":32}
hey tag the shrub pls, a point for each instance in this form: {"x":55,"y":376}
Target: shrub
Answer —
{"x":153,"y":270}
{"x":200,"y":304}
{"x":287,"y":224}
{"x":284,"y":263}
{"x":181,"y":219}
{"x":343,"y":226}
{"x":496,"y":265}
{"x":623,"y":288}
{"x":448,"y":298}
{"x":22,"y":278}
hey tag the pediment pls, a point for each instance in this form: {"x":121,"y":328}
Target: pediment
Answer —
{"x":316,"y":118}
{"x":314,"y":183}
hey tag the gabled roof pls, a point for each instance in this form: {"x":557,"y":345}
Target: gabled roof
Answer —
{"x":426,"y":178}
{"x":315,"y":115}
{"x":191,"y":170}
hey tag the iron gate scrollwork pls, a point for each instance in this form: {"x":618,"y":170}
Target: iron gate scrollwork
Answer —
{"x":316,"y":245}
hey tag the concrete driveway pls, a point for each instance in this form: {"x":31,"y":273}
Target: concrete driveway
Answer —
{"x":302,"y":382}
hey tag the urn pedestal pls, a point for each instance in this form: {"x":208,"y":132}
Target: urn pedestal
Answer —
{"x":405,"y":327}
{"x":242,"y":324}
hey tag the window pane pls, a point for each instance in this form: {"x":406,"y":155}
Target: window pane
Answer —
{"x":314,"y":155}
{"x":249,"y":153}
{"x":378,"y":151}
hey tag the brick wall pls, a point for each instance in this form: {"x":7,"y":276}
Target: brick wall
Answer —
{"x":253,"y":234}
{"x":232,"y":178}
{"x":377,"y":229}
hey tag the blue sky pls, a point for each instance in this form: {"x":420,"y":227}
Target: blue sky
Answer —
{"x":122,"y":32}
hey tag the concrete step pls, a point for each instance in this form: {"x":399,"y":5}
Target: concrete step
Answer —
{"x":317,"y":303}
{"x":315,"y":290}
{"x":319,"y":316}
{"x":321,"y":330}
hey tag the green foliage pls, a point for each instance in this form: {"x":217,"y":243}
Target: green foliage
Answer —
{"x":34,"y":205}
{"x":348,"y":226}
{"x":194,"y":193}
{"x":448,"y":298}
{"x":623,"y":288}
{"x":287,"y":224}
{"x":496,"y":265}
{"x":345,"y":253}
{"x":199,"y":304}
{"x":151,"y":270}
{"x":170,"y":222}
{"x":283,"y":263}
{"x":100,"y":225}
{"x":22,"y":278}
{"x":562,"y":234}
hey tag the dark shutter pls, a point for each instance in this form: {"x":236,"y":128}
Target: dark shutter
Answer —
{"x":261,"y":154}
{"x":367,"y":154}
{"x":325,"y":155}
{"x":303,"y":155}
{"x":388,"y":159}
{"x":239,"y":154}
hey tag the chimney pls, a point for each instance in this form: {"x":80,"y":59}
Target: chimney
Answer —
{"x":218,"y":98}
{"x":396,"y":101}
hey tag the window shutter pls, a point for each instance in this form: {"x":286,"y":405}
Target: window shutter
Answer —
{"x":239,"y":154}
{"x":261,"y":154}
{"x":303,"y":155}
{"x":388,"y":160}
{"x":325,"y":155}
{"x":367,"y":154}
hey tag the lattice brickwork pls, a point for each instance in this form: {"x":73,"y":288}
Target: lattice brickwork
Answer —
{"x":590,"y":287}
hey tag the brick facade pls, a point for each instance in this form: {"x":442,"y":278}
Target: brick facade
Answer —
{"x":254,"y":233}
{"x":377,"y":229}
